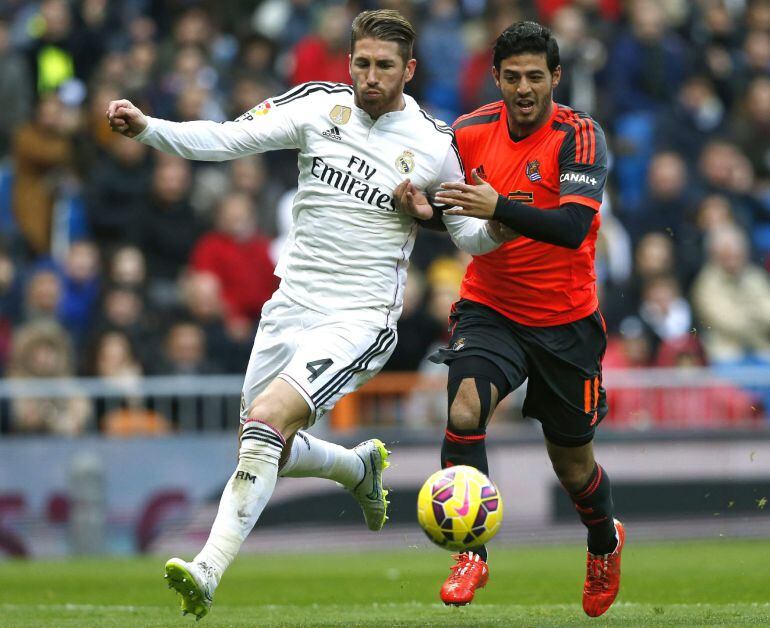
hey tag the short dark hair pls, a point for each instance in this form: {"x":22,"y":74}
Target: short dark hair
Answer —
{"x":527,"y":37}
{"x":386,"y":25}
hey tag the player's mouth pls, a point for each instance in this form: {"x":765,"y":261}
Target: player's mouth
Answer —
{"x":526,"y":106}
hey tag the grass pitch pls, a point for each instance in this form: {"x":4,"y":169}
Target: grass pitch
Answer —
{"x":715,"y":583}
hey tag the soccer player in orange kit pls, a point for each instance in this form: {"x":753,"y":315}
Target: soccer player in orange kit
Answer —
{"x":529,"y":310}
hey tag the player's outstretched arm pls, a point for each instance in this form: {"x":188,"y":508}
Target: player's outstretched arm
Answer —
{"x":478,"y":200}
{"x":565,"y":226}
{"x":126,"y":118}
{"x":204,"y":140}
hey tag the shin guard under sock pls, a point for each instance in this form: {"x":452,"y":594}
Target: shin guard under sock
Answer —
{"x":594,"y":505}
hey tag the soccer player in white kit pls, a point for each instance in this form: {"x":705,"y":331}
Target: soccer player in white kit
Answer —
{"x":364,"y":152}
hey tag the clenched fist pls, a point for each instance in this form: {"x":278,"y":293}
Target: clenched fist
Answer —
{"x":126,"y":118}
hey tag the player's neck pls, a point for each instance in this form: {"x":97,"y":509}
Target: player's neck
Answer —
{"x":518,"y":132}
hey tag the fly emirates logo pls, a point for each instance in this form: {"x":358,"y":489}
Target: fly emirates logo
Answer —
{"x":354,"y":180}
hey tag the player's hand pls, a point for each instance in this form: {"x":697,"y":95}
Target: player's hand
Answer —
{"x":409,"y":200}
{"x":478,"y":200}
{"x":126,"y":118}
{"x":500,"y":233}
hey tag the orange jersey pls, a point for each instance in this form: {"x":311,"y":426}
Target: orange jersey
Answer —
{"x":564,"y":161}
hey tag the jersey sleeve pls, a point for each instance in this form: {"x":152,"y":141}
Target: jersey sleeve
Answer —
{"x":451,"y":170}
{"x":468,"y":234}
{"x":583,"y":164}
{"x":268,"y":126}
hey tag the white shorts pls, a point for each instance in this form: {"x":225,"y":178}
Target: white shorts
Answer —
{"x":323,"y":356}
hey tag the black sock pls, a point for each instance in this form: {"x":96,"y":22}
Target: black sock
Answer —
{"x":466,"y":447}
{"x":594,"y":505}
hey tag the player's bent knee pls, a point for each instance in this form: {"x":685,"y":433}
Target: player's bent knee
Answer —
{"x":464,"y":416}
{"x":281,"y":407}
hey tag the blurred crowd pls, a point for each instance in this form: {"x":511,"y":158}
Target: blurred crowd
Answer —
{"x":119,"y":261}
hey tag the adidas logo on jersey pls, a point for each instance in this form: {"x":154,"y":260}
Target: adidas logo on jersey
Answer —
{"x":332,"y":134}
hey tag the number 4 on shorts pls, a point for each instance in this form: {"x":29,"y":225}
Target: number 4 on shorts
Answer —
{"x":316,"y":367}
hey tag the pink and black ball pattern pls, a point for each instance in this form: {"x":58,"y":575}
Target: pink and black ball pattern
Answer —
{"x":442,"y":492}
{"x":489,"y":504}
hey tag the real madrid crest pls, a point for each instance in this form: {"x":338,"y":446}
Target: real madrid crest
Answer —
{"x":405,"y":162}
{"x":340,"y":114}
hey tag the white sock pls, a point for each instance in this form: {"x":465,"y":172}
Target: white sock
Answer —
{"x":245,"y":495}
{"x":313,"y":457}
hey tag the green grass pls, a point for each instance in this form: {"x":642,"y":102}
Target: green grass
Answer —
{"x":715,"y":583}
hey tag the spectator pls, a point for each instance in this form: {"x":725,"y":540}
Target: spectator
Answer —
{"x":647,"y":63}
{"x":696,"y":116}
{"x":664,"y":310}
{"x":477,"y":85}
{"x":43,"y":154}
{"x":113,"y":360}
{"x":15,"y":89}
{"x":725,"y":170}
{"x":9,"y":305}
{"x":653,"y":257}
{"x":228,"y":342}
{"x":185,"y":352}
{"x":756,"y":56}
{"x":256,"y":62}
{"x":752,"y":126}
{"x":111,"y":356}
{"x":323,"y":56}
{"x":582,"y":58}
{"x":170,"y":228}
{"x":239,"y":256}
{"x":116,"y":192}
{"x":716,"y":37}
{"x":731,"y":298}
{"x":631,"y":348}
{"x":128,"y":268}
{"x":42,"y":350}
{"x":42,"y":295}
{"x":123,"y":309}
{"x":81,"y":285}
{"x":442,"y":52}
{"x":668,"y":198}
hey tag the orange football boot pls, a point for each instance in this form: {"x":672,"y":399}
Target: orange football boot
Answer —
{"x":603,"y":577}
{"x":468,"y":574}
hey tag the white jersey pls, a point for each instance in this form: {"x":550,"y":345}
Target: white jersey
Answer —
{"x":349,"y":247}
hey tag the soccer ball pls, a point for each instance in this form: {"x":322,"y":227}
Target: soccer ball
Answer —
{"x":459,"y":507}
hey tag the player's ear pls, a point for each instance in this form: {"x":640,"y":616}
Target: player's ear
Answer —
{"x":496,"y":75}
{"x":411,"y":65}
{"x":556,"y":76}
